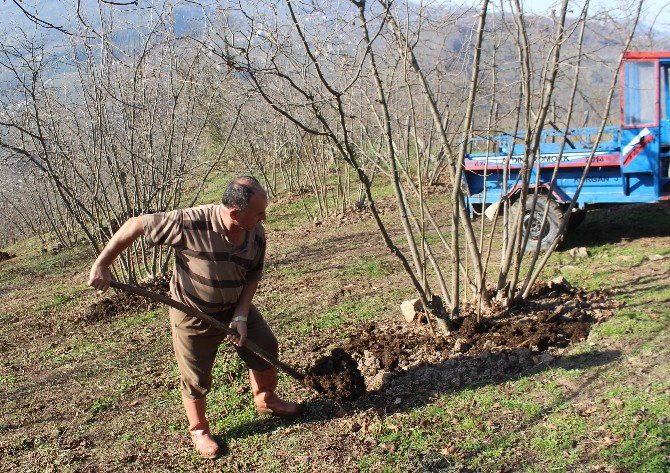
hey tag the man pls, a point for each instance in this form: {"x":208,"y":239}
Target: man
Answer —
{"x":219,"y":257}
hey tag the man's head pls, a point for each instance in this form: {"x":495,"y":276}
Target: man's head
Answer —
{"x":246,"y":201}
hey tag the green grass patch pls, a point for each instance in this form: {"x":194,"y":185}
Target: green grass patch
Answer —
{"x":358,"y":311}
{"x":629,"y":323}
{"x":295,"y":272}
{"x":554,"y":440}
{"x":31,"y":262}
{"x":56,"y":301}
{"x":8,"y":379}
{"x":289,"y":215}
{"x":368,"y":266}
{"x":101,"y":405}
{"x":143,"y":318}
{"x":77,"y":351}
{"x":639,"y":429}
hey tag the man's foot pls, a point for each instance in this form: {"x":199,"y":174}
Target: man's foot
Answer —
{"x":263,"y":385}
{"x":270,"y":403}
{"x":205,"y":445}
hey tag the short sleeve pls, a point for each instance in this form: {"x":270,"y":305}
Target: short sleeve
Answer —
{"x":255,"y":273}
{"x":164,"y":228}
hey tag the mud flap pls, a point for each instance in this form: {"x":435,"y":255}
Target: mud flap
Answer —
{"x":491,"y":210}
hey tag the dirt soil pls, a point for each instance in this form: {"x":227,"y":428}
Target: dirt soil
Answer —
{"x":337,"y":376}
{"x":505,"y":342}
{"x":509,"y":339}
{"x":119,"y":302}
{"x":111,"y":381}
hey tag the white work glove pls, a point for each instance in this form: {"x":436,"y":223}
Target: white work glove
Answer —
{"x":238,"y":324}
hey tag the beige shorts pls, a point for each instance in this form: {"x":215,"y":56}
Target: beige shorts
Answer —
{"x":196,"y":342}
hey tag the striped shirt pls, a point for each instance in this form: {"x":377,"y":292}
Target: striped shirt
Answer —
{"x":209,"y":271}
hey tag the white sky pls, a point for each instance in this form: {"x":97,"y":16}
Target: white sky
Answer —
{"x":653,"y":10}
{"x":656,"y":12}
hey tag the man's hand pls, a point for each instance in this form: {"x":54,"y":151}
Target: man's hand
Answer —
{"x":130,"y":231}
{"x":240,"y":326}
{"x":100,"y":277}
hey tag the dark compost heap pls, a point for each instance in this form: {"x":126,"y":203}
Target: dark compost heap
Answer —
{"x":336,"y":376}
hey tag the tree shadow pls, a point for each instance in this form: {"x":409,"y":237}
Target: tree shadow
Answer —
{"x":418,"y":386}
{"x":337,"y":244}
{"x":620,"y":223}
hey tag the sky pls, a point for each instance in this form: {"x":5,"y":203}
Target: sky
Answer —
{"x":653,"y":10}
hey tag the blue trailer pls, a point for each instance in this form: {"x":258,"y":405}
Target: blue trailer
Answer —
{"x":630,"y":164}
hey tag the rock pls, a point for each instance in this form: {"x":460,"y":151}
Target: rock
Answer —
{"x":461,"y":346}
{"x":580,"y":252}
{"x":410,"y":309}
{"x":656,"y":257}
{"x":369,"y":364}
{"x":559,"y":282}
{"x":377,"y":381}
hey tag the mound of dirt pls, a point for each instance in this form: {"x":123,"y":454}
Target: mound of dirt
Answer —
{"x":337,"y":376}
{"x":123,"y":302}
{"x":506,"y":340}
{"x":4,"y":256}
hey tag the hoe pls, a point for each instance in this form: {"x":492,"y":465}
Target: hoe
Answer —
{"x":336,"y":376}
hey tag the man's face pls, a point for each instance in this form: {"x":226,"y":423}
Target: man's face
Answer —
{"x":255,"y":212}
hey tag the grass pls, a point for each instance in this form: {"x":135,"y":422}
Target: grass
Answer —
{"x":551,"y":427}
{"x":142,"y":319}
{"x":345,"y":313}
{"x":642,"y":444}
{"x":80,"y":351}
{"x":367,"y":266}
{"x":122,"y":381}
{"x":31,"y":262}
{"x":291,"y":214}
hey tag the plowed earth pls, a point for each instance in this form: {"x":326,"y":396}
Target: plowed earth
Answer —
{"x":502,"y":343}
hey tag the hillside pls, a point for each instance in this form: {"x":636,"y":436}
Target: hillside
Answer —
{"x":99,"y":392}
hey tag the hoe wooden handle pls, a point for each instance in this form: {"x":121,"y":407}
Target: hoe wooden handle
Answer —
{"x":211,"y":320}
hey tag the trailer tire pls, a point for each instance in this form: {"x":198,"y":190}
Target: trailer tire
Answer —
{"x":551,"y":228}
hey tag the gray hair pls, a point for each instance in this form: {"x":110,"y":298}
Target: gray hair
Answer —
{"x":238,"y":193}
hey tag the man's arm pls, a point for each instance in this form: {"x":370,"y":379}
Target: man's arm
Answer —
{"x":239,"y":321}
{"x":130,"y":231}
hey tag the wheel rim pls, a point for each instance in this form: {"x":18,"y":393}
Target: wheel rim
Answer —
{"x":533,"y":225}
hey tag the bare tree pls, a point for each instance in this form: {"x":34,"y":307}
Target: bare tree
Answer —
{"x":384,"y":92}
{"x":364,"y":87}
{"x":122,"y":136}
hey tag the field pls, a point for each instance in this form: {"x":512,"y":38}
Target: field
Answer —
{"x":84,"y":392}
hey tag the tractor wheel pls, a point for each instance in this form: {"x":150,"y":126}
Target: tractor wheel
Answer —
{"x":534,"y":225}
{"x":576,"y":218}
